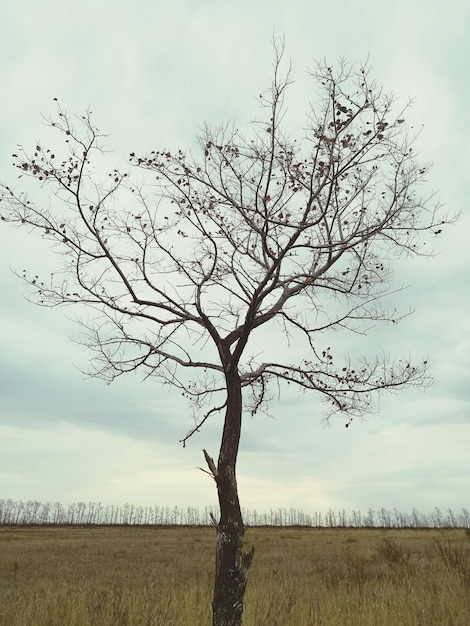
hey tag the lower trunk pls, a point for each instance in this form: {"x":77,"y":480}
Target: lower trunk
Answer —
{"x":231,"y":563}
{"x":230,"y":574}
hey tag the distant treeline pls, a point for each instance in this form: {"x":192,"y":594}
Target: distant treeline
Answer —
{"x":96,"y":513}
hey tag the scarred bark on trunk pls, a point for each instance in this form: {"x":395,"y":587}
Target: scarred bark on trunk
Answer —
{"x":231,"y":563}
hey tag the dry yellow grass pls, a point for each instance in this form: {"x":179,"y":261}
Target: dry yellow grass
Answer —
{"x":141,"y":576}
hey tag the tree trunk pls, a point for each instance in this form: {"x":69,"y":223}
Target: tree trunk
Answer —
{"x":231,"y":564}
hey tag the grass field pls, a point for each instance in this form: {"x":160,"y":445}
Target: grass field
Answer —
{"x":153,"y":576}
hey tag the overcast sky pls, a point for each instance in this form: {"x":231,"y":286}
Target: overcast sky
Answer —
{"x":152,"y":73}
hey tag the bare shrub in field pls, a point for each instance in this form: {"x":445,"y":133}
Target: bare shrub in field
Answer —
{"x":393,"y":553}
{"x":456,"y":558}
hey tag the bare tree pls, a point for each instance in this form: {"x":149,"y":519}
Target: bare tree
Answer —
{"x":185,"y":259}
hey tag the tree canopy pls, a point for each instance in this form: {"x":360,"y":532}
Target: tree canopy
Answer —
{"x":207,"y":247}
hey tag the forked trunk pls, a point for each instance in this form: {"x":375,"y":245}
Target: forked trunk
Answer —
{"x":231,"y":564}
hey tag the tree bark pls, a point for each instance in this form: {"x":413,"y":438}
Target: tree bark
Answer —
{"x":231,"y":563}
